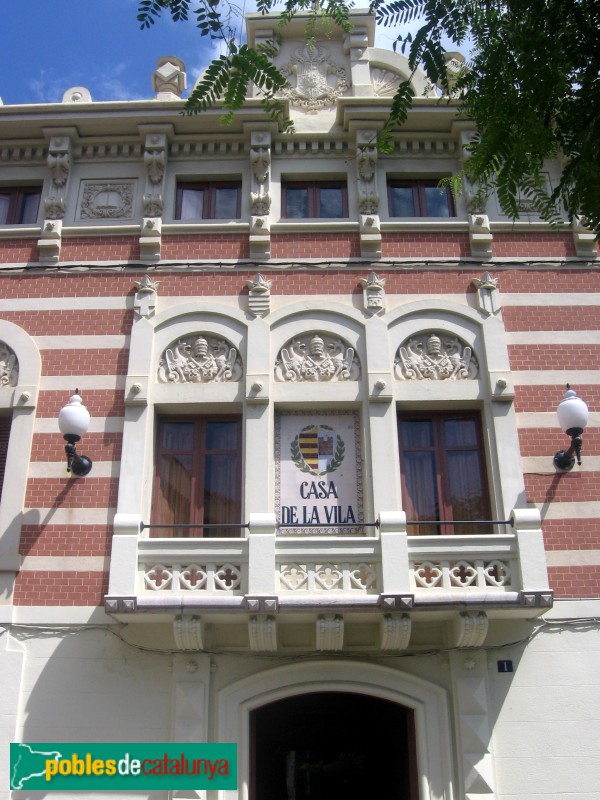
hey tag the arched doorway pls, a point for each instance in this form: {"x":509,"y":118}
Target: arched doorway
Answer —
{"x":332,"y":745}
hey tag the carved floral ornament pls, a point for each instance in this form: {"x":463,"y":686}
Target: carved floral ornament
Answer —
{"x":9,"y":366}
{"x":435,"y":356}
{"x":200,"y":358}
{"x":317,"y":357}
{"x":311,"y":68}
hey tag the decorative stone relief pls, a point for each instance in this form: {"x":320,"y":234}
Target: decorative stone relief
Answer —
{"x":395,"y":631}
{"x":488,"y":296}
{"x":200,"y":358}
{"x":145,"y":298}
{"x":584,"y":239}
{"x":260,"y":194}
{"x":77,"y":94}
{"x":155,"y":158}
{"x":455,"y":64}
{"x":469,"y":629}
{"x":317,"y":357}
{"x":169,"y":78}
{"x":311,"y":68}
{"x":259,"y":296}
{"x":59,"y":165}
{"x":330,"y":632}
{"x":429,"y":356}
{"x":373,"y":293}
{"x":260,"y":159}
{"x":107,"y":200}
{"x":188,"y":633}
{"x":9,"y":366}
{"x":154,"y":161}
{"x":260,"y":205}
{"x":262,"y":632}
{"x":480,"y":236}
{"x":368,"y":197}
{"x":385,"y":83}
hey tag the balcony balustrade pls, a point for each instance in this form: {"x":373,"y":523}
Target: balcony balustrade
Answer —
{"x":386,"y":567}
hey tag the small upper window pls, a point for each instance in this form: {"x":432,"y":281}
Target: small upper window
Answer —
{"x":19,"y":205}
{"x":315,"y":200}
{"x":208,"y":201}
{"x":419,"y":199}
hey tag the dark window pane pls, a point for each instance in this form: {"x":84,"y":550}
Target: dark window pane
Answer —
{"x":417,"y":433}
{"x":175,"y":488}
{"x":29,"y":207}
{"x":466,"y":491}
{"x":421,"y":488}
{"x":220,"y":492}
{"x":192,"y":202}
{"x":222,"y":435}
{"x":331,"y":202}
{"x":460,"y":433}
{"x":443,"y":473}
{"x":436,"y":202}
{"x":4,"y":206}
{"x":402,"y":201}
{"x":177,"y":435}
{"x":296,"y":200}
{"x":226,"y":202}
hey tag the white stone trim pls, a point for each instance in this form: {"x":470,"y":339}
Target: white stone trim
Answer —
{"x":54,"y":383}
{"x":553,"y":337}
{"x":65,"y":303}
{"x":97,"y":424}
{"x":545,"y":464}
{"x":579,"y":510}
{"x":65,"y":563}
{"x":548,"y":419}
{"x":58,"y":468}
{"x":573,"y":558}
{"x":104,"y":342}
{"x":68,"y":516}
{"x":20,"y":401}
{"x":549,"y":298}
{"x":429,"y":703}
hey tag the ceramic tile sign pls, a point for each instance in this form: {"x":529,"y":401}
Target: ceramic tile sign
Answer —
{"x":318,"y":473}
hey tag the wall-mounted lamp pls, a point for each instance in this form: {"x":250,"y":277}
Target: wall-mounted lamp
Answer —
{"x":572,"y":416}
{"x":73,"y":421}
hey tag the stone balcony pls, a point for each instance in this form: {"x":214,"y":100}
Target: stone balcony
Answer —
{"x":384,"y":571}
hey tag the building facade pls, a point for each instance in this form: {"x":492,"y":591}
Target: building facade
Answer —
{"x":323,"y":519}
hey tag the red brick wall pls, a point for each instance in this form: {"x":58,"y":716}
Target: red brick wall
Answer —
{"x":529,"y":245}
{"x":544,"y":487}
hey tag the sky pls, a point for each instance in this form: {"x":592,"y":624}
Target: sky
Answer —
{"x":49,"y":46}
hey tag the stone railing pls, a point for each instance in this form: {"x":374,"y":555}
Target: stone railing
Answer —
{"x":389,"y":567}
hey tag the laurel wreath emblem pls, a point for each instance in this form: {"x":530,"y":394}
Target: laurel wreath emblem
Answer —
{"x":299,"y":461}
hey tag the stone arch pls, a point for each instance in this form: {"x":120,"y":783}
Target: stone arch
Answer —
{"x":428,"y":703}
{"x":19,"y":401}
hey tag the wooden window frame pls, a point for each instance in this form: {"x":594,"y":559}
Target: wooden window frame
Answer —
{"x":16,"y":203}
{"x":442,"y":488}
{"x":209,"y":200}
{"x":419,"y":198}
{"x":199,"y":452}
{"x":314,"y":199}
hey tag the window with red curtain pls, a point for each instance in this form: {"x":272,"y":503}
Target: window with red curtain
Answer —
{"x":198,"y":476}
{"x":443,"y":473}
